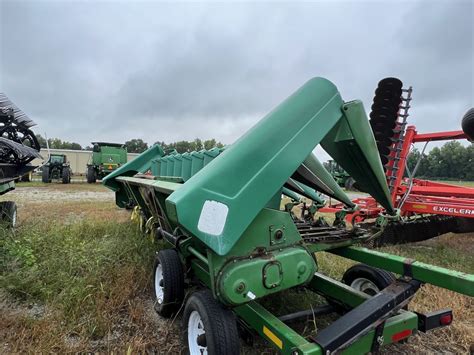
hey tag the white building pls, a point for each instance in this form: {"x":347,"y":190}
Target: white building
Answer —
{"x":77,"y":158}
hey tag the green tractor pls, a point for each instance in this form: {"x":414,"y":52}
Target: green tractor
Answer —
{"x":106,"y":157}
{"x":57,"y":167}
{"x":342,"y":178}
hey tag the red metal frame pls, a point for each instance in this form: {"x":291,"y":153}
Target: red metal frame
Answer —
{"x":425,"y":197}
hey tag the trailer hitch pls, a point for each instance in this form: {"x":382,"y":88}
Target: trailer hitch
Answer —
{"x":370,"y":315}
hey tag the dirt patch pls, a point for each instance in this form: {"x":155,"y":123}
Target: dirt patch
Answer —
{"x":59,"y":193}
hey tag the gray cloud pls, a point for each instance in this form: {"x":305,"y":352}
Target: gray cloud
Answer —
{"x":160,"y":71}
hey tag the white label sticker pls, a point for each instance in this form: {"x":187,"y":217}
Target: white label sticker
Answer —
{"x":213,"y":217}
{"x":251,"y":295}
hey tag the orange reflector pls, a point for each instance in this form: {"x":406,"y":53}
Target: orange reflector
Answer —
{"x":446,"y":319}
{"x":401,"y":335}
{"x":419,"y":206}
{"x":110,"y":166}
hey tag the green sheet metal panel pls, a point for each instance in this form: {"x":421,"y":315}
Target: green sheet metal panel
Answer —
{"x":351,"y":143}
{"x":186,"y":167}
{"x":210,"y":154}
{"x":214,"y":204}
{"x":163,"y":166}
{"x":303,"y":190}
{"x":178,"y":165}
{"x":140,"y":164}
{"x":197,"y":162}
{"x":6,"y":187}
{"x":314,"y":174}
{"x":155,"y":167}
{"x":247,"y":279}
{"x":169,"y":165}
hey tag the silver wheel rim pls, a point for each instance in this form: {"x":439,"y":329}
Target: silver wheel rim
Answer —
{"x":159,"y":292}
{"x":14,"y":218}
{"x":195,"y":330}
{"x":365,"y":285}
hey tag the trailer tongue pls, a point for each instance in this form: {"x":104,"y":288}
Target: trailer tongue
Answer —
{"x":219,"y":211}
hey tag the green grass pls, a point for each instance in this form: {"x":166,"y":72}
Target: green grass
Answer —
{"x":92,"y":274}
{"x":458,"y":182}
{"x":86,"y":272}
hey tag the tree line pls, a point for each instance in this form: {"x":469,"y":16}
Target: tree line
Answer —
{"x":136,"y":145}
{"x":139,"y":146}
{"x":56,"y":143}
{"x":452,"y":161}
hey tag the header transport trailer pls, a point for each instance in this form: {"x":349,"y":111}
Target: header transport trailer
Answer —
{"x":427,"y":208}
{"x":18,"y":147}
{"x":229,"y":239}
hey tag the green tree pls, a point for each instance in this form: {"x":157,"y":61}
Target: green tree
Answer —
{"x":182,"y":146}
{"x":451,"y":161}
{"x":469,"y":163}
{"x":189,"y":146}
{"x":41,"y":140}
{"x":198,"y":144}
{"x":136,"y":146}
{"x":76,"y":146}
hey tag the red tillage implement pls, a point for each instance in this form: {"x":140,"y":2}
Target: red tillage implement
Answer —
{"x":423,"y":204}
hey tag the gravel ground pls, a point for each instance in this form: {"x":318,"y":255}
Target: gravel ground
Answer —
{"x":51,"y":193}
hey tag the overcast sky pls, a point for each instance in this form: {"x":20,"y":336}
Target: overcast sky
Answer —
{"x":114,"y":70}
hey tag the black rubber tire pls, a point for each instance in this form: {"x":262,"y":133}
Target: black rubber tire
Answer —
{"x":173,"y":283}
{"x":378,"y":277}
{"x":45,"y":175}
{"x":220,"y":324}
{"x":468,"y":124}
{"x":8,"y":213}
{"x":91,"y":175}
{"x":25,"y":178}
{"x":349,"y":184}
{"x":66,"y":175}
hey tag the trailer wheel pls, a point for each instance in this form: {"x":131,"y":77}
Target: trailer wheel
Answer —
{"x":45,"y":175}
{"x":168,"y":283}
{"x":66,"y":176}
{"x":8,"y":213}
{"x":26,"y":178}
{"x":367,"y":279}
{"x":468,"y":124}
{"x":209,"y":328}
{"x":91,"y":175}
{"x":349,"y":184}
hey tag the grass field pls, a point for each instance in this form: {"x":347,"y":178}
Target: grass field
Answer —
{"x":460,"y":183}
{"x":76,"y":278}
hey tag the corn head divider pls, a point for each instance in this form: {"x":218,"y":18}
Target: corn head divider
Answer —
{"x":219,"y":210}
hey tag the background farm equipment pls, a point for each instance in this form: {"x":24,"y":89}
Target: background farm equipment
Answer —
{"x":342,"y":178}
{"x":220,"y":214}
{"x":428,"y":208}
{"x":18,"y":147}
{"x":106,"y":157}
{"x":56,"y":167}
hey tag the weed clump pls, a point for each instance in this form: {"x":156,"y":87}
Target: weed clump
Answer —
{"x":88,"y":271}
